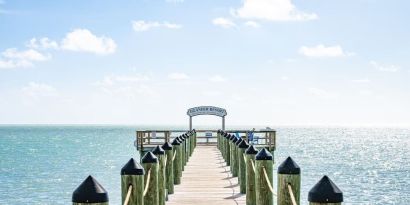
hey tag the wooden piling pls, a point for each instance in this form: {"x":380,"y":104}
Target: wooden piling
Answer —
{"x":150,"y":164}
{"x":263,"y":177}
{"x":288,"y":174}
{"x":132,"y":177}
{"x":169,"y":168}
{"x":237,"y":158}
{"x":90,"y":192}
{"x":250,"y":175}
{"x":242,"y":166}
{"x":325,"y":192}
{"x":177,"y":162}
{"x":228,"y":149}
{"x":192,"y":144}
{"x":234,"y":157}
{"x":160,"y":154}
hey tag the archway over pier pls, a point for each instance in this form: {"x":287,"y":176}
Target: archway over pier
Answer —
{"x":206,"y":110}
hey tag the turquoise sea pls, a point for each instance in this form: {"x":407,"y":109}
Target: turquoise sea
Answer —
{"x":44,"y":164}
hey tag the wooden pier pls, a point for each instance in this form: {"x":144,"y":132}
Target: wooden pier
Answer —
{"x":201,"y":167}
{"x":207,"y":180}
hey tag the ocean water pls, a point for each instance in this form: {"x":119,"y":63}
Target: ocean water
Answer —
{"x":44,"y":164}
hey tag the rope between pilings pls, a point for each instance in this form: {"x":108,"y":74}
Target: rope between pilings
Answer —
{"x":253,"y":166}
{"x":127,"y":198}
{"x":148,"y":179}
{"x":292,"y":196}
{"x":268,"y":181}
{"x":175,"y":154}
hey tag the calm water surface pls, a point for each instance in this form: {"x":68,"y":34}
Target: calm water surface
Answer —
{"x":44,"y":164}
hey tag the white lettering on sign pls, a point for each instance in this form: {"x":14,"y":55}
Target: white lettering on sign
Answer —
{"x":206,"y":110}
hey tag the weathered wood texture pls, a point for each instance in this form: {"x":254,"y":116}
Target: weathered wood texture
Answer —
{"x":152,"y":197}
{"x":177,"y":164}
{"x":250,"y":180}
{"x":283,"y":191}
{"x":161,"y":179}
{"x":169,"y":171}
{"x":207,"y":180}
{"x":137,"y":182}
{"x":263,"y":194}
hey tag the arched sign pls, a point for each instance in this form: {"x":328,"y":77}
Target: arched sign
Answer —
{"x":206,"y":110}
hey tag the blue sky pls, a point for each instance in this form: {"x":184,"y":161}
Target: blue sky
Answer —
{"x":268,"y":62}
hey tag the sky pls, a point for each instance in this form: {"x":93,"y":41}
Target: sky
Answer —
{"x":267,"y":62}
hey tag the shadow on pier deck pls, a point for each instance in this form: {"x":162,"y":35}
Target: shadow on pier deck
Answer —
{"x":207,"y":180}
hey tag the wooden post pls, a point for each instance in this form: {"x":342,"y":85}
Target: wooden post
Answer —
{"x":242,"y":166}
{"x":218,"y":140}
{"x":250,"y":175}
{"x":90,"y":192}
{"x":230,"y":147}
{"x":263,"y":177}
{"x":169,"y":168}
{"x":288,"y":174}
{"x":150,"y":164}
{"x":188,"y":146}
{"x":192,"y":143}
{"x":183,"y":147}
{"x":227,"y":149}
{"x":160,"y":153}
{"x":234,"y":156}
{"x":132,"y":176}
{"x":177,"y":161}
{"x":195,"y":139}
{"x":225,"y":146}
{"x":325,"y":192}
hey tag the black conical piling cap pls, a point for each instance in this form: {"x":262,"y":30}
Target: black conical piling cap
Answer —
{"x":238,"y":141}
{"x":289,"y":167}
{"x":231,"y":137}
{"x":186,"y":135}
{"x":219,"y":131}
{"x":243,"y":144}
{"x":225,"y":135}
{"x":158,"y":150}
{"x":175,"y":142}
{"x":132,"y":168}
{"x":167,"y":146}
{"x":149,"y":157}
{"x":325,"y":191}
{"x":264,"y":154}
{"x":251,"y":150}
{"x":194,"y":130}
{"x":90,"y":191}
{"x":181,"y":138}
{"x":234,"y":140}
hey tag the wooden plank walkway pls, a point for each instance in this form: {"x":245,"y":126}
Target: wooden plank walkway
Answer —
{"x":207,"y":180}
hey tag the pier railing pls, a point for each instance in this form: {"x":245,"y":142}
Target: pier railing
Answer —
{"x":148,"y":139}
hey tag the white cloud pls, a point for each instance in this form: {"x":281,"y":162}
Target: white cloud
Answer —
{"x":111,"y":80}
{"x":323,"y":51}
{"x":141,"y":25}
{"x":217,"y":78}
{"x":35,"y":90}
{"x":174,"y":1}
{"x":386,"y":68}
{"x":43,"y":43}
{"x":252,"y":24}
{"x":83,"y":40}
{"x":272,"y":10}
{"x":317,"y":92}
{"x":223,"y":22}
{"x":13,"y":58}
{"x":178,"y":76}
{"x":284,"y":78}
{"x":363,"y":80}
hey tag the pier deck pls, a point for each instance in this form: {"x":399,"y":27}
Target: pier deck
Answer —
{"x":207,"y":180}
